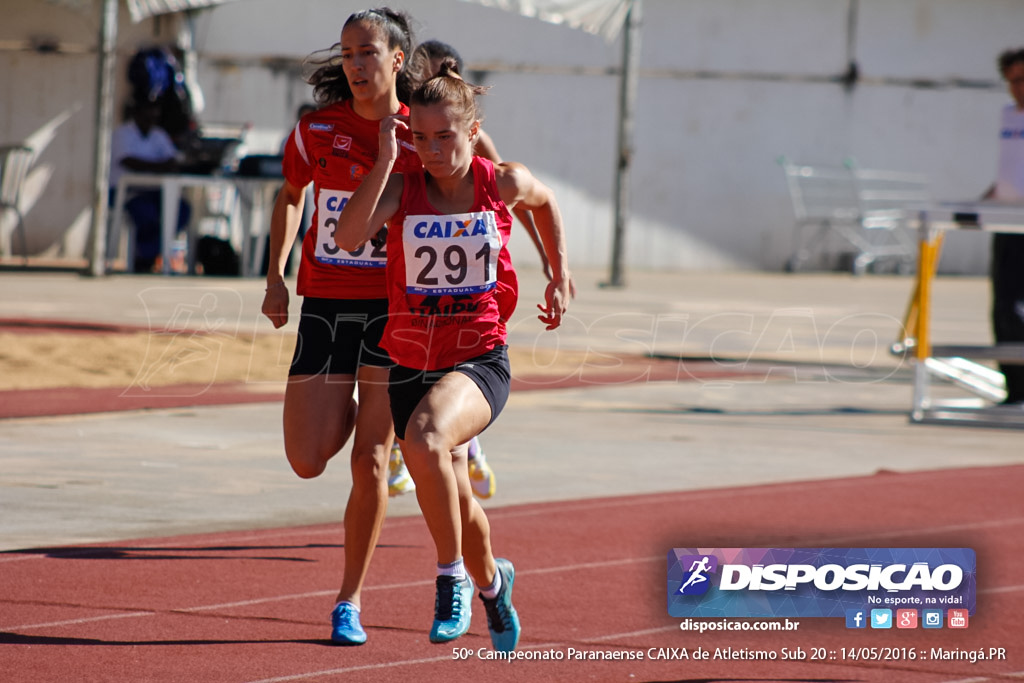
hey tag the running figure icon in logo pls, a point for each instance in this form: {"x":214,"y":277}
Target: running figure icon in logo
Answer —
{"x":696,"y":582}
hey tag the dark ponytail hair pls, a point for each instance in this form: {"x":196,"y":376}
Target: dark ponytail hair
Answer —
{"x":447,"y":87}
{"x":428,"y":51}
{"x":323,"y":68}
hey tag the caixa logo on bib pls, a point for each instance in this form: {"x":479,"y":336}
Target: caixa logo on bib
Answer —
{"x":816,"y":582}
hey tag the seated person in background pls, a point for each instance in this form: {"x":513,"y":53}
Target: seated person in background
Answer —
{"x":140,"y":145}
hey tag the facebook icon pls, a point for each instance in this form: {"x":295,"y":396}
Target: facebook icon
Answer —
{"x":856,"y":618}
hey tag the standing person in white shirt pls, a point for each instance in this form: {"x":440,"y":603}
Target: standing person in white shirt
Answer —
{"x":140,"y":145}
{"x":1007,"y":249}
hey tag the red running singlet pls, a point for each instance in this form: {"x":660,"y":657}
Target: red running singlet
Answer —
{"x":335,"y":148}
{"x":451,"y":285}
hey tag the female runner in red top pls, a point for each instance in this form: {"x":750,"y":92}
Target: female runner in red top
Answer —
{"x":345,"y":300}
{"x":425,"y":62}
{"x":451,"y":290}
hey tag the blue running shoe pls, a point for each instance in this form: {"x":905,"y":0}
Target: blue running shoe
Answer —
{"x":346,"y":629}
{"x":453,"y":608}
{"x":502,"y":619}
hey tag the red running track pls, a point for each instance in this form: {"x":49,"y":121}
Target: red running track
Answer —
{"x":591,"y":575}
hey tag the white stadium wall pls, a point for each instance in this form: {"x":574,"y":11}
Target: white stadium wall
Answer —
{"x":48,"y":66}
{"x":727,"y":87}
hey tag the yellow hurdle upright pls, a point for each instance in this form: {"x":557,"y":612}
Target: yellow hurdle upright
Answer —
{"x":915,"y":322}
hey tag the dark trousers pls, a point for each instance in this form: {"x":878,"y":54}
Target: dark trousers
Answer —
{"x":145,"y":208}
{"x":1008,"y":305}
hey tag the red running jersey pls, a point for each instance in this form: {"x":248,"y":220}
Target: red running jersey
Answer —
{"x":335,"y":148}
{"x":451,"y":286}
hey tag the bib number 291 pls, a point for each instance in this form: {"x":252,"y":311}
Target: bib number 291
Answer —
{"x":454,"y":254}
{"x":456,"y":264}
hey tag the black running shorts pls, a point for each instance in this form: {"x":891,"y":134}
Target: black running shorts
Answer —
{"x":490,"y":371}
{"x":336,"y":336}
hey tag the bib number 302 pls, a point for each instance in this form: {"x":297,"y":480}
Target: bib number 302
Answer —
{"x":330,"y":204}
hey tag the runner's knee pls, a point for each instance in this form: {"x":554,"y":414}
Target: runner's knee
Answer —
{"x":424,"y":448}
{"x":307,"y":464}
{"x":369,"y":465}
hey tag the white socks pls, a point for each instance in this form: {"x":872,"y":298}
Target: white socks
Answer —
{"x":492,"y":591}
{"x":456,"y":569}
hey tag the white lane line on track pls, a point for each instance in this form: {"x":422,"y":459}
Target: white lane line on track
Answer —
{"x":396,"y":586}
{"x":352,"y":669}
{"x":208,"y":540}
{"x":568,"y":506}
{"x":654,"y":499}
{"x":413,"y":662}
{"x":70,"y":552}
{"x":85,"y":620}
{"x":575,"y":567}
{"x":544,"y":646}
{"x":525,"y":572}
{"x":634,"y":500}
{"x":434,"y":660}
{"x":1002,"y":589}
{"x":541,"y":646}
{"x":632,"y":634}
{"x":300,"y":596}
{"x":972,"y":526}
{"x":255,"y":601}
{"x":594,"y":565}
{"x":320,"y":594}
{"x":165,"y":544}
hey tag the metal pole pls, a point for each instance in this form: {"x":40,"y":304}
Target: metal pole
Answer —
{"x":627,"y":100}
{"x":852,"y":74}
{"x":104,"y":127}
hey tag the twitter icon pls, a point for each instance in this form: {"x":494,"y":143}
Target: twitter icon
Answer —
{"x":881,"y":618}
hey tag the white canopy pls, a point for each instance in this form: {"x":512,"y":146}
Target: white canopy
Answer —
{"x":143,"y":9}
{"x":602,"y":17}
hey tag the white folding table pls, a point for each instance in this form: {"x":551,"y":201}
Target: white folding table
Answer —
{"x":256,"y":203}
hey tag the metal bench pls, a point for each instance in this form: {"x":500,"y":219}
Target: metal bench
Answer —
{"x":15,"y":163}
{"x":866,"y":213}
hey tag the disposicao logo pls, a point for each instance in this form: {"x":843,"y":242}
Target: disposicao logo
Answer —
{"x":818,"y":582}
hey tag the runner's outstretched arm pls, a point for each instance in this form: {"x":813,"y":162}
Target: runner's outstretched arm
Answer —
{"x":518,"y":187}
{"x":284,"y":227}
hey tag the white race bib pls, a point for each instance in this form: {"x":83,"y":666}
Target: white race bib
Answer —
{"x":328,"y":207}
{"x":454,"y":254}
